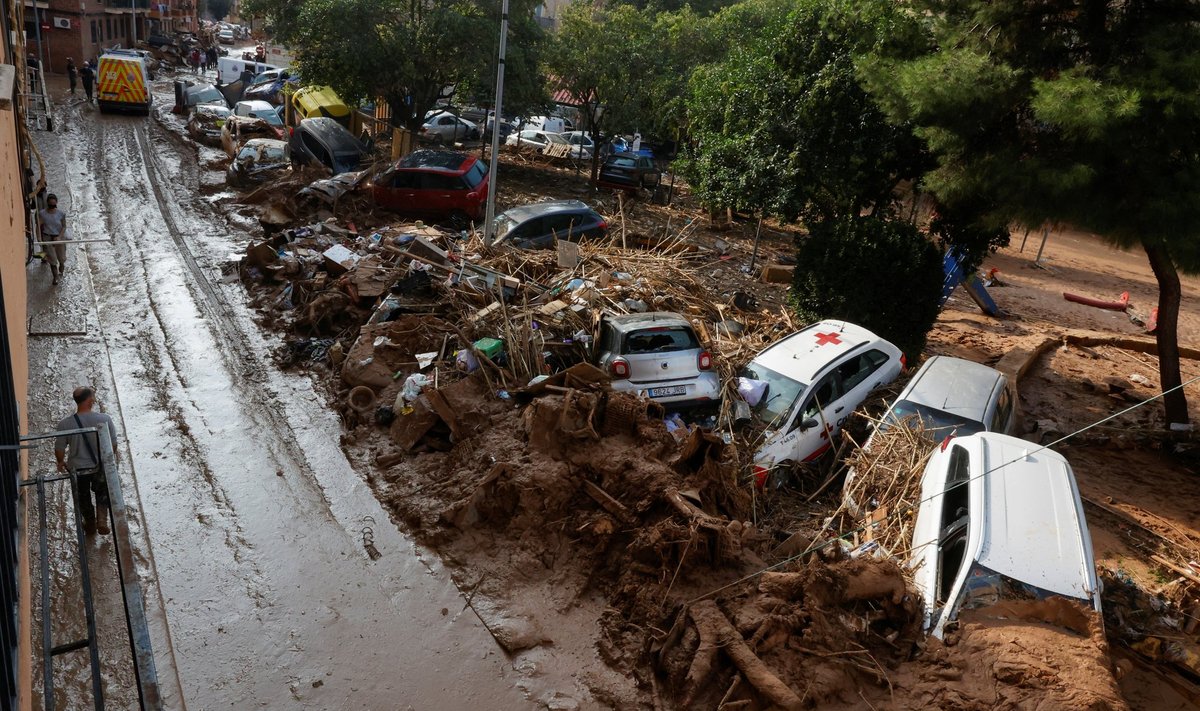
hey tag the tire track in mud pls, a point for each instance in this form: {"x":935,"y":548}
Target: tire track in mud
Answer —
{"x":156,"y":376}
{"x":243,"y":364}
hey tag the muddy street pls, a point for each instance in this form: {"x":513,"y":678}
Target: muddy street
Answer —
{"x":248,"y":519}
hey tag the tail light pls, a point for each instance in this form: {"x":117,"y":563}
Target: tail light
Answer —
{"x":704,"y":362}
{"x":903,"y":362}
{"x":760,"y":476}
{"x":603,"y":225}
{"x":620,"y":368}
{"x":946,"y":442}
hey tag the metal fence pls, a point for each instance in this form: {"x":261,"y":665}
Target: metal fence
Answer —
{"x":10,"y":519}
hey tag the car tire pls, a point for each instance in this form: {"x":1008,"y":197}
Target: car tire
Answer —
{"x":458,"y":220}
{"x":475,"y":135}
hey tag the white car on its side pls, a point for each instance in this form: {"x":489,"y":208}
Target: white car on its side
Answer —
{"x":804,"y":387}
{"x":1000,"y":521}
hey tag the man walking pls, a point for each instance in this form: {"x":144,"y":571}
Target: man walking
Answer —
{"x":89,"y":77}
{"x":54,"y":229}
{"x":72,"y":74}
{"x":84,"y":454}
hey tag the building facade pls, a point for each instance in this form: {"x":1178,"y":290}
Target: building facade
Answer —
{"x":81,"y":29}
{"x":549,"y":11}
{"x":15,"y":589}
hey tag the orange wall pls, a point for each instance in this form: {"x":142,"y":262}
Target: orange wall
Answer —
{"x":12,"y":273}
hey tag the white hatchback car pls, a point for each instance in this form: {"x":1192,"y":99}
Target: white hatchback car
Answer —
{"x":805,"y":387}
{"x":999,"y":523}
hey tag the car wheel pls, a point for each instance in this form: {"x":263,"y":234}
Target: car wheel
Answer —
{"x":474,"y":135}
{"x":436,"y":140}
{"x":458,"y":220}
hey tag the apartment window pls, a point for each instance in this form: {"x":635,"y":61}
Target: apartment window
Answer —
{"x":95,"y":33}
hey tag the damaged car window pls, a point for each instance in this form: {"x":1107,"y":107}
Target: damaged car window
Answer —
{"x":780,"y":394}
{"x":935,"y":421}
{"x":660,"y":340}
{"x":270,"y":154}
{"x":985,"y":587}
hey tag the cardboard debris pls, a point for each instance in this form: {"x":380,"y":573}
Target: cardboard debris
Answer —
{"x":339,"y":259}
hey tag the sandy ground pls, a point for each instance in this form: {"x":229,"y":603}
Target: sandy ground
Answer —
{"x":1067,"y":388}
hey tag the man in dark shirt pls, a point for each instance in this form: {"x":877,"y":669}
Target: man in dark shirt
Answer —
{"x":89,"y":78}
{"x":72,"y":74}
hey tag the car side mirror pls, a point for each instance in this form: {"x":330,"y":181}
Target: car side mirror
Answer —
{"x":808,"y":424}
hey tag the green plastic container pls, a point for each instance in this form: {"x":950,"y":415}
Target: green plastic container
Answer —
{"x":490,"y":347}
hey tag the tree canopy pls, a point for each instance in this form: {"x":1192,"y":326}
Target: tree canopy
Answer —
{"x":409,"y":52}
{"x":1078,"y":112}
{"x":782,"y":124}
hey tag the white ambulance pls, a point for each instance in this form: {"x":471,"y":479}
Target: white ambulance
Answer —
{"x":804,"y":387}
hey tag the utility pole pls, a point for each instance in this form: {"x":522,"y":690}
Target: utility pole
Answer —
{"x":490,"y":214}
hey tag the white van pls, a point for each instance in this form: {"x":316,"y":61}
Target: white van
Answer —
{"x":229,"y":69}
{"x":549,"y":124}
{"x":804,"y":387}
{"x":1000,"y":520}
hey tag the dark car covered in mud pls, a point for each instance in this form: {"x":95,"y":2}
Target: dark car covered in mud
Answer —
{"x":260,"y":160}
{"x":324,"y":141}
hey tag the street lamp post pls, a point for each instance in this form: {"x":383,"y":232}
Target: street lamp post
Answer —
{"x":490,"y":214}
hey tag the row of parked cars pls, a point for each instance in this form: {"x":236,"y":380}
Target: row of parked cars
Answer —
{"x":999,"y":519}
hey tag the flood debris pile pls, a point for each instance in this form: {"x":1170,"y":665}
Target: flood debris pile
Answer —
{"x":883,"y":487}
{"x":463,"y":378}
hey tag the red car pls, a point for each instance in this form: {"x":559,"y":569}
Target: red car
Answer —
{"x":439,"y":184}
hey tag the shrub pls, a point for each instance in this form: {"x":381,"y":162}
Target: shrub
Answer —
{"x":883,"y":275}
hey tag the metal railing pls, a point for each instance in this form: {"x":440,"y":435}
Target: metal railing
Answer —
{"x":131,"y":592}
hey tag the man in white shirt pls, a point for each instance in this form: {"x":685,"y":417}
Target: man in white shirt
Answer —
{"x":54,"y":229}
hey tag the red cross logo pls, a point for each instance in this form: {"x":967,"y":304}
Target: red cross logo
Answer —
{"x":824,"y":338}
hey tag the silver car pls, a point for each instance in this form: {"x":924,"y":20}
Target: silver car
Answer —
{"x":957,"y":397}
{"x":659,"y":355}
{"x":446,"y":128}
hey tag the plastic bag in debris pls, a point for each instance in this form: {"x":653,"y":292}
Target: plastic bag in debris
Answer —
{"x":636,"y":305}
{"x":751,"y":390}
{"x":676,"y":426}
{"x":466,"y":361}
{"x":413,"y":385}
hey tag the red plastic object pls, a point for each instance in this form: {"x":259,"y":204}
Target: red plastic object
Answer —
{"x":1110,"y":305}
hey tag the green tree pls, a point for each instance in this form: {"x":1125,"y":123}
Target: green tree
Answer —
{"x":605,"y":57}
{"x":1070,"y":111}
{"x":782,"y":125}
{"x":410,"y":53}
{"x":884,"y":275}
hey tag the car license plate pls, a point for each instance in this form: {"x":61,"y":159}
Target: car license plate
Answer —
{"x":668,"y":392}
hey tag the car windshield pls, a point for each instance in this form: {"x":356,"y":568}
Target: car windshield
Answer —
{"x":985,"y":587}
{"x":266,"y":154}
{"x":555,"y":138}
{"x":781,"y":392}
{"x":623,"y":162}
{"x":664,"y":339}
{"x":269,"y":116}
{"x":208,"y":96}
{"x":936,"y":421}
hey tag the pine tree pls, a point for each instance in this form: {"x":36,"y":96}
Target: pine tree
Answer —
{"x":1077,"y":111}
